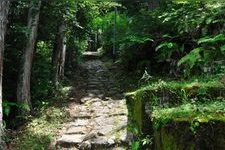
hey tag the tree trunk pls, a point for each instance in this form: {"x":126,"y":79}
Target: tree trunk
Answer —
{"x":59,"y":54}
{"x":23,"y":87}
{"x":4,"y":8}
{"x":153,"y":4}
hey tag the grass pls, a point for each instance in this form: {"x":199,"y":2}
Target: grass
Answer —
{"x":179,"y":84}
{"x":179,"y":92}
{"x":198,"y":99}
{"x":44,"y":127}
{"x":214,"y":111}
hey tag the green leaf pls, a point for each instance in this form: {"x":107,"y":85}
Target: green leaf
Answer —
{"x":135,"y":145}
{"x":7,"y":107}
{"x":207,"y":39}
{"x":138,"y":39}
{"x":222,"y":48}
{"x":204,"y":40}
{"x":170,"y":45}
{"x":164,"y":44}
{"x":24,"y":106}
{"x":167,"y":36}
{"x":209,"y":20}
{"x":7,"y":111}
{"x":191,"y":58}
{"x":219,"y":37}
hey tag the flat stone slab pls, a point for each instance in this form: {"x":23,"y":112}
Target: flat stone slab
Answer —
{"x":119,"y":148}
{"x":84,"y":99}
{"x":97,"y":104}
{"x":70,"y":139}
{"x":100,"y":141}
{"x":106,"y":130}
{"x":80,"y":122}
{"x":90,"y":55}
{"x":101,"y":112}
{"x":115,"y":121}
{"x":76,"y":130}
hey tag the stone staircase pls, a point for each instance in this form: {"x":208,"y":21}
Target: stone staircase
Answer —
{"x":99,"y":121}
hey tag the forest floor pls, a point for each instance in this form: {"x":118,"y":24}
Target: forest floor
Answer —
{"x":97,"y":110}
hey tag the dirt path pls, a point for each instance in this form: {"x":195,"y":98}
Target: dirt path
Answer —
{"x":99,"y":120}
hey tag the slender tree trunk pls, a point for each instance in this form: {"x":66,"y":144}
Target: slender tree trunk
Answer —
{"x":4,"y":8}
{"x":23,"y":87}
{"x":59,"y":54}
{"x":70,"y":57}
{"x":153,"y":4}
{"x":63,"y":57}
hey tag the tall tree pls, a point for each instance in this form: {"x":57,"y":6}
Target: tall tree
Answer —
{"x":4,"y":8}
{"x":59,"y":54}
{"x":65,"y":14}
{"x":23,"y":87}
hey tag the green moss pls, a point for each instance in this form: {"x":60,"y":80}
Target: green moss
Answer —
{"x":169,"y":140}
{"x":178,"y":136}
{"x":174,"y":85}
{"x":138,"y":112}
{"x":174,"y":93}
{"x":214,"y":111}
{"x":180,"y":102}
{"x":134,"y":105}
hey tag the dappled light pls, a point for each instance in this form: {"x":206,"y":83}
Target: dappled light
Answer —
{"x":98,"y":110}
{"x":112,"y":75}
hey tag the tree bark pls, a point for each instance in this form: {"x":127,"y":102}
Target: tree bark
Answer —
{"x":4,"y":8}
{"x":23,"y":87}
{"x":59,"y":54}
{"x":153,"y":4}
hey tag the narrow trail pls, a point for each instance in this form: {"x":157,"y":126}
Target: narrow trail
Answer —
{"x":99,"y":120}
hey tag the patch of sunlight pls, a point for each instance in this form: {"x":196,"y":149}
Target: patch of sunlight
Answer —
{"x":41,"y":130}
{"x":66,"y":90}
{"x":214,"y":111}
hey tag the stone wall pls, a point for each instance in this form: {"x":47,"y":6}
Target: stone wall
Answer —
{"x":178,"y":136}
{"x":175,"y":135}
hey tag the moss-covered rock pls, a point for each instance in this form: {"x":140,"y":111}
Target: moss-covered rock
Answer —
{"x":141,"y":102}
{"x":137,"y":117}
{"x":178,"y":136}
{"x":190,"y":127}
{"x":170,"y":112}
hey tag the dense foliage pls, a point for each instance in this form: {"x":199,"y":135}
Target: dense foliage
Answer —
{"x":180,"y":36}
{"x":177,"y":39}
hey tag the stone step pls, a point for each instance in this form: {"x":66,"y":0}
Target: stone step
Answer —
{"x":70,"y":140}
{"x":92,"y":143}
{"x":90,"y":55}
{"x":77,"y":130}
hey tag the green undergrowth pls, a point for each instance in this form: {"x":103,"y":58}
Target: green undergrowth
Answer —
{"x":200,"y":99}
{"x":44,"y":126}
{"x":185,"y":84}
{"x":166,"y":92}
{"x":202,"y":113}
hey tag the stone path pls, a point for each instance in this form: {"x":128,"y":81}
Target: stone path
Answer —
{"x":100,"y":117}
